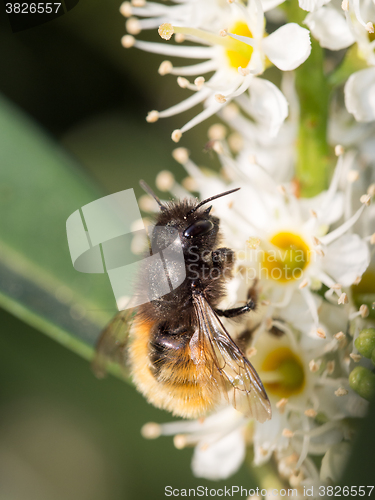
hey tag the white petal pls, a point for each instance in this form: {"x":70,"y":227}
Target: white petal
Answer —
{"x":267,"y":105}
{"x":311,"y":5}
{"x":360,"y":95}
{"x":334,"y":461}
{"x":346,"y":259}
{"x":288,"y":46}
{"x":270,"y":4}
{"x":330,"y":28}
{"x":220,"y":458}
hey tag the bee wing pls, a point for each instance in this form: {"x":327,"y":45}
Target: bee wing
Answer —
{"x":112,"y":343}
{"x":247,"y":393}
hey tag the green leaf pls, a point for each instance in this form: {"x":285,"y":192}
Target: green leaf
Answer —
{"x":40,"y":186}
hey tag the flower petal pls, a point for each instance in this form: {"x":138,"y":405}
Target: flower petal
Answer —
{"x":219,"y":458}
{"x":346,"y":259}
{"x":311,"y":5}
{"x":288,"y":46}
{"x":330,"y":28}
{"x":267,"y":105}
{"x":360,"y":95}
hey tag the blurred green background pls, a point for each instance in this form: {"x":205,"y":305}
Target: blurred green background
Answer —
{"x":72,"y":128}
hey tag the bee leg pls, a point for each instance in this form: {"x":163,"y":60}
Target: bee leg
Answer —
{"x":236,"y":311}
{"x":222,"y":257}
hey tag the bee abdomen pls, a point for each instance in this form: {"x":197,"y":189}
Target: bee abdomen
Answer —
{"x":170,"y":379}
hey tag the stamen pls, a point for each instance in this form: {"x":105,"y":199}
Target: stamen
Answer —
{"x":199,"y":82}
{"x":371,"y":190}
{"x":355,"y":357}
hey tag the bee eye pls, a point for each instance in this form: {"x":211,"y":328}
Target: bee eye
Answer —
{"x":198,"y":228}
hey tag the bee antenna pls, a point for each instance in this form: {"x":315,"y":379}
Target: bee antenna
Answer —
{"x":210,"y":199}
{"x":149,"y":191}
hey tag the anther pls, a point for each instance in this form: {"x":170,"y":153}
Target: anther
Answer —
{"x":126,"y":9}
{"x":310,"y":412}
{"x":127,"y":41}
{"x":330,"y":367}
{"x":220,"y":98}
{"x":341,"y":392}
{"x":199,"y":82}
{"x":217,"y":132}
{"x":165,"y":68}
{"x":339,"y":336}
{"x":164,"y":180}
{"x":287,"y":433}
{"x":371,"y":190}
{"x":243,"y":71}
{"x":370,"y":27}
{"x":176,"y":135}
{"x":321,"y":333}
{"x":365,"y":199}
{"x":166,"y":31}
{"x":151,"y":430}
{"x":364,"y":310}
{"x":303,"y":284}
{"x":343,"y":299}
{"x":353,"y":175}
{"x":339,"y":150}
{"x":314,"y":365}
{"x":183,"y":82}
{"x":133,"y":26}
{"x":355,"y":357}
{"x":181,"y":155}
{"x":152,"y":117}
{"x":280,"y":405}
{"x":345,"y":5}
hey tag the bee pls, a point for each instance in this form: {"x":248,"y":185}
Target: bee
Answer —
{"x":180,"y":355}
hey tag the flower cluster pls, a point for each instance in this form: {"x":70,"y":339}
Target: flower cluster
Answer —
{"x":309,"y":260}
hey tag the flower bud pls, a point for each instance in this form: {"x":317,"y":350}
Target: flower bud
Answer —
{"x":365,"y":342}
{"x":362,"y":381}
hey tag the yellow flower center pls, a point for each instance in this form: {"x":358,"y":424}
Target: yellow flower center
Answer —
{"x":239,"y":54}
{"x":288,"y":259}
{"x":282,"y":373}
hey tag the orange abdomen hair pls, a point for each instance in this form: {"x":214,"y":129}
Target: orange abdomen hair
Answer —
{"x":173,"y":383}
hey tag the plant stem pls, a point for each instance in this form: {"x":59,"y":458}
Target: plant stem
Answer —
{"x":314,"y":164}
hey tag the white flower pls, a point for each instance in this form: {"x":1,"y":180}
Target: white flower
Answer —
{"x":236,"y":48}
{"x":329,"y":26}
